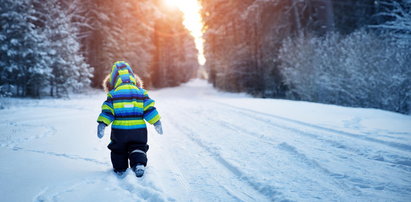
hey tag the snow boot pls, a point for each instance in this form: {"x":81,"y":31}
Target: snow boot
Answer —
{"x":139,"y":170}
{"x":120,"y":174}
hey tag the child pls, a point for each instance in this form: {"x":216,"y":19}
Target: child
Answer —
{"x":126,"y":107}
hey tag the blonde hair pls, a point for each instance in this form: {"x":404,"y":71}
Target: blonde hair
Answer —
{"x":107,"y":86}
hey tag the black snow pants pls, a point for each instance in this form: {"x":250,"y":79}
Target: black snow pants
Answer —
{"x":128,"y":145}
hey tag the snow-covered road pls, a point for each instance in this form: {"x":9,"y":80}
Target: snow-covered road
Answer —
{"x":216,"y":147}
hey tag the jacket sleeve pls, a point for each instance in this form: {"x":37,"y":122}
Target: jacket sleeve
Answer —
{"x":150,"y":112}
{"x":107,"y":111}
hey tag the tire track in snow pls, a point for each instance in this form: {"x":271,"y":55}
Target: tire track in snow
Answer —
{"x":274,"y":144}
{"x":304,"y":124}
{"x":403,"y":162}
{"x":208,"y":162}
{"x":291,"y":150}
{"x":194,"y":187}
{"x":168,"y":163}
{"x":363,"y":183}
{"x":268,"y":191}
{"x":233,"y":194}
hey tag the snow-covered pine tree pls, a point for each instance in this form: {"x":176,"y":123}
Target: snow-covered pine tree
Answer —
{"x":81,"y":72}
{"x":24,"y":61}
{"x":69,"y":70}
{"x":398,"y":18}
{"x":104,"y":43}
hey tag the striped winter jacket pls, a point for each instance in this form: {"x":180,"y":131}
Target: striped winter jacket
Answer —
{"x":127,"y":106}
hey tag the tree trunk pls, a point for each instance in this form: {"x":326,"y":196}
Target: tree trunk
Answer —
{"x":51,"y":88}
{"x":329,"y":15}
{"x":297,"y":17}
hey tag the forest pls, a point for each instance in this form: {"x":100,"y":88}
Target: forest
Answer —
{"x":351,"y":53}
{"x":53,"y":47}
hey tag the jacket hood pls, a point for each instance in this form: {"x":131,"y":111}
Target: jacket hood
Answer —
{"x":121,"y":73}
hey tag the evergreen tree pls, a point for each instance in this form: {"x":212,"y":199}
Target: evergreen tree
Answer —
{"x":69,"y":69}
{"x":143,"y":33}
{"x":39,"y":49}
{"x":24,"y":61}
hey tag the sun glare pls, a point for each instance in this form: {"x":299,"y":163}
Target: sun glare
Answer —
{"x":192,"y":21}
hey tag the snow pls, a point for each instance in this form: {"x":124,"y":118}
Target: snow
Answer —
{"x":216,"y":146}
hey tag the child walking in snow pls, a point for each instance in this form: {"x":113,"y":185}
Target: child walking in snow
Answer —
{"x":126,"y":108}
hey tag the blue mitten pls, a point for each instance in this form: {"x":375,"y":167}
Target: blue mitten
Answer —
{"x":100,"y":130}
{"x":158,"y":127}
